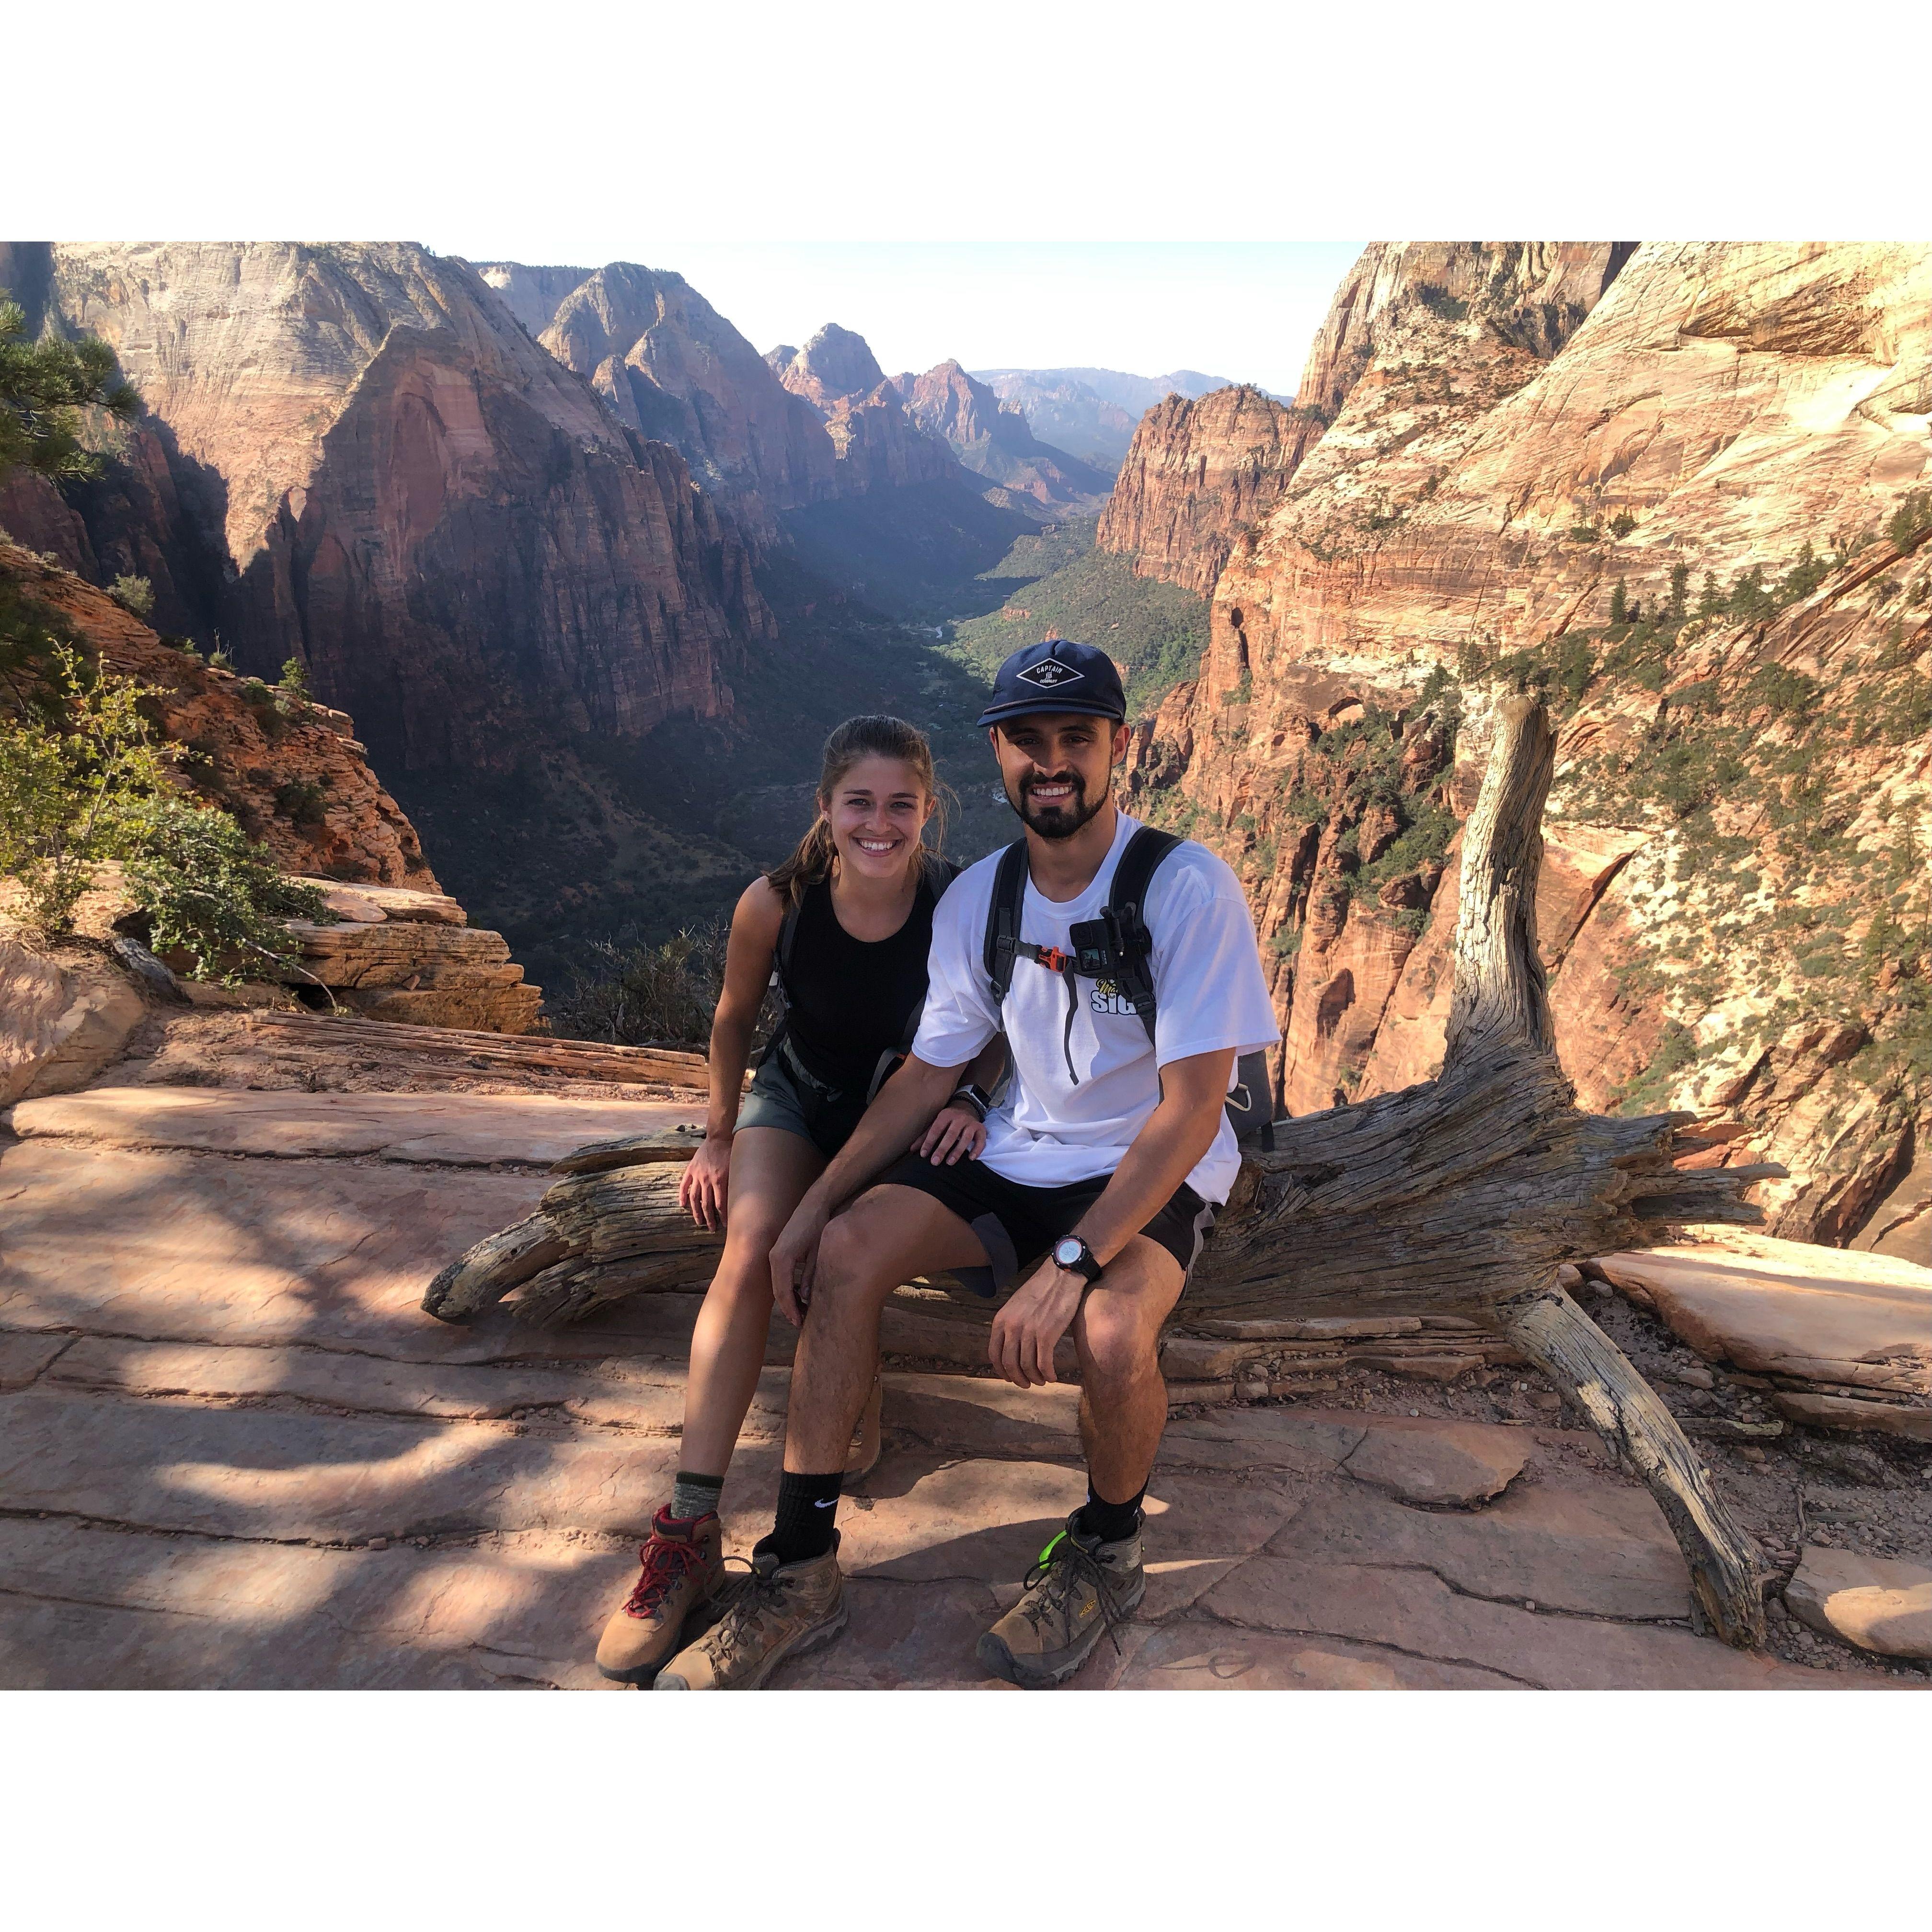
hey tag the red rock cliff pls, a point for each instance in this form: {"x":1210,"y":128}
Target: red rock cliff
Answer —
{"x":670,"y":366}
{"x":1196,"y":475}
{"x":364,"y":461}
{"x":1737,"y":436}
{"x":996,"y":443}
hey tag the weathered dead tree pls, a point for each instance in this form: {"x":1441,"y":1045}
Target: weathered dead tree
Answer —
{"x":1459,"y":1196}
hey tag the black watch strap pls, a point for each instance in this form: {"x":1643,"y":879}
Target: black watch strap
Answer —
{"x":1082,"y":1264}
{"x":977,"y":1098}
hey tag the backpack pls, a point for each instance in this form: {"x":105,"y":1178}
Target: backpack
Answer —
{"x":1117,"y":947}
{"x":940,"y":873}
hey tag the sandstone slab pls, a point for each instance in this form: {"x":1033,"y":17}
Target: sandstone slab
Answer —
{"x":1429,"y":1461}
{"x":1198,"y":1654}
{"x":1877,"y":1603}
{"x":1605,"y":1552}
{"x":1416,"y":1611}
{"x":1852,"y":1412}
{"x":86,"y":1607}
{"x":454,"y":1129}
{"x":1774,"y":1306}
{"x":24,"y":1356}
{"x":185,"y":1247}
{"x":290,"y":1476}
{"x":60,"y":1025}
{"x":1307,"y":1442}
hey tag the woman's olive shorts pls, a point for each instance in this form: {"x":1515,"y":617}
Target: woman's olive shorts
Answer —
{"x":781,"y":1097}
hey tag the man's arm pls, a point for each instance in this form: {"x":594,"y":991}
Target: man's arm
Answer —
{"x":1166,"y":1150}
{"x":898,"y":1115}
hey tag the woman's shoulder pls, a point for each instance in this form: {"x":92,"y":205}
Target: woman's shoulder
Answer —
{"x":760,"y":910}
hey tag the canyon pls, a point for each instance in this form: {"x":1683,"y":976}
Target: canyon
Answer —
{"x":1518,"y":464}
{"x":592,"y":574}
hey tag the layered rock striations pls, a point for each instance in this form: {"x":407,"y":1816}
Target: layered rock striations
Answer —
{"x":1197,"y":474}
{"x":995,"y":441}
{"x":1695,"y":514}
{"x":371,"y":467}
{"x":670,"y":366}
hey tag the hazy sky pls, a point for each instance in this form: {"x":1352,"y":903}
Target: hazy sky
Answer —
{"x":1244,"y":310}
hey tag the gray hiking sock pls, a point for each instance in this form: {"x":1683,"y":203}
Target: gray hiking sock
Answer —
{"x":694,"y":1496}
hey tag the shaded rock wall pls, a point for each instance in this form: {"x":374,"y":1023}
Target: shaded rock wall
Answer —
{"x":384,"y":476}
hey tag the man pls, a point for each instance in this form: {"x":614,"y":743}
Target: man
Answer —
{"x":1106,"y":1156}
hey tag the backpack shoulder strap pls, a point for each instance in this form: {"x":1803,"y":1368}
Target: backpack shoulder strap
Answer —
{"x":788,"y":943}
{"x":1131,"y":877}
{"x":1000,"y":949}
{"x":940,"y":873}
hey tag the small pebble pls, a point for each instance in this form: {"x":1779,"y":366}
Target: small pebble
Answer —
{"x":379,"y":1543}
{"x":1528,"y":1604}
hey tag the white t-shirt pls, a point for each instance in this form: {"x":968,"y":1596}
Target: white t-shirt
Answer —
{"x":1210,"y":995}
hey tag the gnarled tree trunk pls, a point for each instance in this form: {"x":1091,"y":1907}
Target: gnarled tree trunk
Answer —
{"x":1457,"y":1196}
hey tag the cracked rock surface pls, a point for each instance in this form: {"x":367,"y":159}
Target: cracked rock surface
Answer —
{"x":233,"y":1452}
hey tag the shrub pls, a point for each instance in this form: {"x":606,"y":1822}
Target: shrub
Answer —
{"x":1911,"y":520}
{"x":93,"y":784}
{"x":135,"y":595}
{"x":640,"y":995}
{"x":302,"y":801}
{"x":1622,"y":523}
{"x":207,"y":888}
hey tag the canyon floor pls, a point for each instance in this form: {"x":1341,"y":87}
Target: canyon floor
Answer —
{"x":237,"y":1454}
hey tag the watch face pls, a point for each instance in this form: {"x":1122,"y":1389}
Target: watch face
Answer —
{"x":1067,"y":1252}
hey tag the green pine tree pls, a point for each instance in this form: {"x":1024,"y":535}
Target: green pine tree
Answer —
{"x":44,"y":386}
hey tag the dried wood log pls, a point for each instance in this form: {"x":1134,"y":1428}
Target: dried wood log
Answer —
{"x":1458,"y":1197}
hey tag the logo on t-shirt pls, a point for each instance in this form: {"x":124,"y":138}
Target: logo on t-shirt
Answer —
{"x":1106,"y":997}
{"x":1048,"y":674}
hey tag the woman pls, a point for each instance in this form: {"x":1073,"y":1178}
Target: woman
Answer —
{"x":847,"y":920}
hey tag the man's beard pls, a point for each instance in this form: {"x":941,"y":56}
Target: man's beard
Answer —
{"x":1056,"y":821}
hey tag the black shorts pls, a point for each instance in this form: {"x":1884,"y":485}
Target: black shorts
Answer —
{"x":1016,"y":1224}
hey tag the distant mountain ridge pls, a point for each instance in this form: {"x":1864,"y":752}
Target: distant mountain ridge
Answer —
{"x":1094,"y":413}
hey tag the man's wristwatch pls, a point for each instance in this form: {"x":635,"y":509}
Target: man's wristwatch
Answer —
{"x":976,"y":1098}
{"x":1072,"y":1254}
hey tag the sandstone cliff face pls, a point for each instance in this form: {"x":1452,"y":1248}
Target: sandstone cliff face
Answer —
{"x":302,"y":784}
{"x":669,"y":366}
{"x":995,"y":442}
{"x":532,"y":295}
{"x":836,"y":365}
{"x":1731,"y":884}
{"x":373,"y":467}
{"x":878,"y":445}
{"x":1197,"y":475}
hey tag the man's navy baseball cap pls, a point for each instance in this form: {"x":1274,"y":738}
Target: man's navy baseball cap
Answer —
{"x":1056,"y":675}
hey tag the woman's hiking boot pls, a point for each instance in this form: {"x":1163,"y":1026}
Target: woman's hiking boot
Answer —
{"x":1077,"y":1591}
{"x":862,"y":1458}
{"x":775,"y":1613}
{"x":683,"y":1567}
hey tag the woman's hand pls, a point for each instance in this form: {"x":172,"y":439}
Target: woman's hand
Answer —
{"x":705,"y":1183}
{"x":957,"y":1133}
{"x":794,"y":1259}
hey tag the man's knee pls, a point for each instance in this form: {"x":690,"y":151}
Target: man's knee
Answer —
{"x":1118,"y":1346}
{"x":847,"y":1272}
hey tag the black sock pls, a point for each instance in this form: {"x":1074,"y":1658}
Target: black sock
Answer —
{"x":807,"y":1505}
{"x":1111,"y":1523}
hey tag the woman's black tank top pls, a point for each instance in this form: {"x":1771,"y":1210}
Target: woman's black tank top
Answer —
{"x":849,"y":1000}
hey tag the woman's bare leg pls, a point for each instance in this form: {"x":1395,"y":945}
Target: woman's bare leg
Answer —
{"x":770,"y":1171}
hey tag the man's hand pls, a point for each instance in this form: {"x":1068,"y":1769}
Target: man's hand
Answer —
{"x":705,"y":1184}
{"x":1027,"y":1330}
{"x":956,"y":1133}
{"x":795,"y":1260}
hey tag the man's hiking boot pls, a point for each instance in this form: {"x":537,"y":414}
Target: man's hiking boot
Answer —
{"x":1079,"y":1589}
{"x":773,"y":1614}
{"x":862,"y":1458}
{"x":683,"y":1569}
